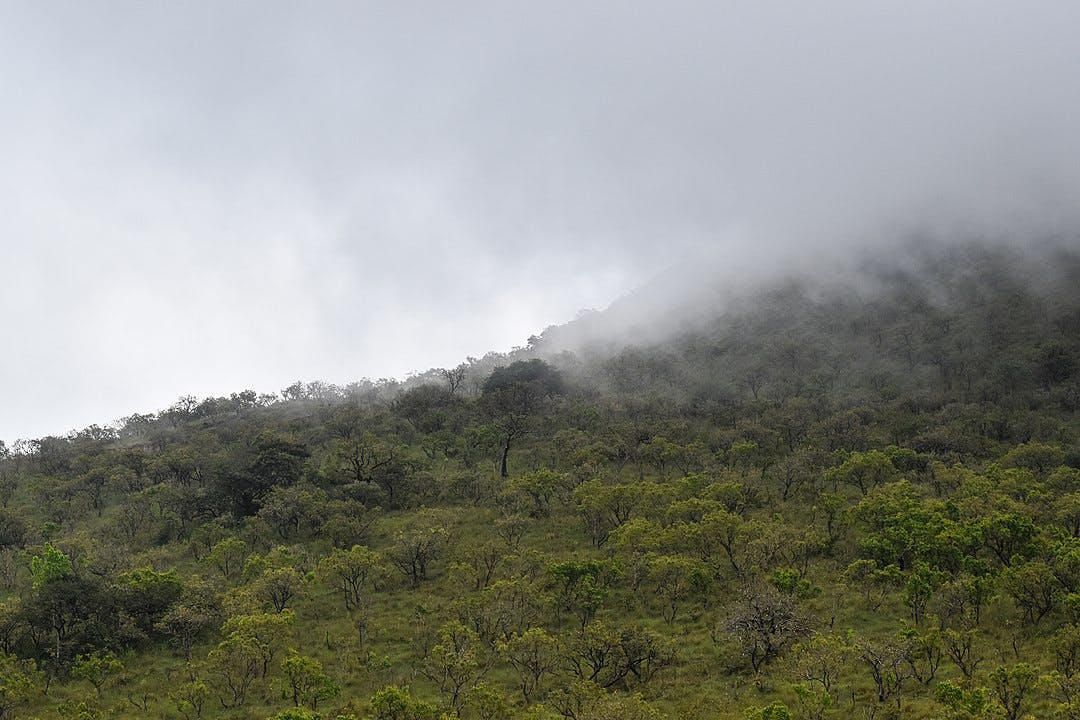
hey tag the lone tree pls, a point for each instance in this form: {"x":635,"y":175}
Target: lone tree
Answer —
{"x":513,"y":394}
{"x":765,"y":622}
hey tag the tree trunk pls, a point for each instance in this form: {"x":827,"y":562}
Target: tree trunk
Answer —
{"x":505,"y":453}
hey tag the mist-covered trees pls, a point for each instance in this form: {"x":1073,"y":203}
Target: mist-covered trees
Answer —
{"x":511,"y":396}
{"x":817,"y":505}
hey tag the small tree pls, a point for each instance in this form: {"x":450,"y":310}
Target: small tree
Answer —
{"x":279,"y":586}
{"x":765,"y":622}
{"x":235,"y":665}
{"x":675,"y":578}
{"x":397,"y":703}
{"x":308,"y":684}
{"x":19,"y":683}
{"x":265,"y":631}
{"x":535,"y":655}
{"x":415,"y":546}
{"x":97,"y":668}
{"x":51,"y":564}
{"x":197,"y":612}
{"x":1011,"y":686}
{"x":350,"y":572}
{"x":190,"y":698}
{"x":582,"y":586}
{"x":227,"y":556}
{"x":773,"y":711}
{"x":456,"y":661}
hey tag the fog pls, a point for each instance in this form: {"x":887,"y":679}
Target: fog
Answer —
{"x":203,"y":197}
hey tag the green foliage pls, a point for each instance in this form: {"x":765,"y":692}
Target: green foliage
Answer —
{"x":582,"y":586}
{"x":397,"y":703}
{"x":308,"y":684}
{"x":52,"y":564}
{"x":961,"y":704}
{"x":97,"y":668}
{"x":864,"y":470}
{"x":897,"y":472}
{"x":227,"y":556}
{"x":541,"y":376}
{"x":297,"y":713}
{"x":773,"y":711}
{"x":20,"y":682}
{"x":416,"y":546}
{"x":351,"y":573}
{"x":455,"y":662}
{"x":146,"y":595}
{"x":1010,"y":686}
{"x":190,"y":698}
{"x":535,"y":655}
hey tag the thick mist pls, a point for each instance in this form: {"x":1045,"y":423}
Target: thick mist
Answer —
{"x":206,"y":197}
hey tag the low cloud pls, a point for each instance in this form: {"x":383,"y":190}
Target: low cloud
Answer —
{"x":205,"y":197}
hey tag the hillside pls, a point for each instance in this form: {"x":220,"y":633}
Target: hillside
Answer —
{"x":826,"y":496}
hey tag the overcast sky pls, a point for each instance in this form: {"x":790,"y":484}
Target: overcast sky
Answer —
{"x":202,"y":197}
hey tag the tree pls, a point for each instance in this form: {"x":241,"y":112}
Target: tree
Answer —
{"x":961,"y":704}
{"x":19,"y":683}
{"x":146,"y":595}
{"x":235,"y":664}
{"x":1009,"y":535}
{"x":899,"y":527}
{"x":511,"y":395}
{"x":416,"y":545}
{"x":606,"y":507}
{"x":534,"y":654}
{"x":351,"y":572}
{"x":13,"y":530}
{"x":279,"y":586}
{"x":820,"y":660}
{"x":276,"y":460}
{"x":298,"y":713}
{"x":721,"y":535}
{"x":370,"y":460}
{"x":52,"y":564}
{"x":97,"y":668}
{"x":228,"y":557}
{"x":959,"y":646}
{"x":765,"y":622}
{"x":308,"y":683}
{"x":864,"y":470}
{"x":455,"y":662}
{"x":294,"y":510}
{"x":674,"y":579}
{"x":887,"y":662}
{"x":612,"y":657}
{"x":70,"y":616}
{"x":503,"y":608}
{"x":190,"y":698}
{"x":454,"y":378}
{"x":197,"y":611}
{"x":397,"y":703}
{"x":582,"y":586}
{"x":539,"y":487}
{"x":921,"y":584}
{"x":487,"y":703}
{"x":1034,"y":588}
{"x":1011,"y":686}
{"x":772,"y":711}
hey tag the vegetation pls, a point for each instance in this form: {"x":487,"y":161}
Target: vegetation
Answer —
{"x":815,"y":504}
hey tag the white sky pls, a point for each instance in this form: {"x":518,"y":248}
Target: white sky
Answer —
{"x":203,"y":197}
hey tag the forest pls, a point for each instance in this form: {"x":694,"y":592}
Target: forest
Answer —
{"x":843,"y":499}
